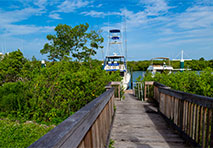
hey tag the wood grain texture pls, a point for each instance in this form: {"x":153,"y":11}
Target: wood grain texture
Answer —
{"x":138,"y":124}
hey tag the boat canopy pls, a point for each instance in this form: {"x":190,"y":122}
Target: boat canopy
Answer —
{"x":160,"y":58}
{"x":115,"y":31}
{"x":115,"y":56}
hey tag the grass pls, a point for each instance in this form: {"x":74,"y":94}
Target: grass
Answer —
{"x":15,"y":134}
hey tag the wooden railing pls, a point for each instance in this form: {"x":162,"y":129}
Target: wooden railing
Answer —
{"x":89,"y":127}
{"x":190,"y":114}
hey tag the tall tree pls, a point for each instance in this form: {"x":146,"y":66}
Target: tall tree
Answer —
{"x":77,"y":41}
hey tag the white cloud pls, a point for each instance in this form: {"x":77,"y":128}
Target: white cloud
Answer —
{"x":71,"y":5}
{"x":10,"y":18}
{"x":11,"y":30}
{"x":40,"y":3}
{"x":93,"y":13}
{"x":195,"y":17}
{"x":18,"y":15}
{"x":155,"y":7}
{"x":99,"y":5}
{"x":55,"y":16}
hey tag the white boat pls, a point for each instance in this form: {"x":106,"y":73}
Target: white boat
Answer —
{"x":116,"y":62}
{"x":160,"y":66}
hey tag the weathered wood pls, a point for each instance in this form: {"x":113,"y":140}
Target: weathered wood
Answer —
{"x":149,"y":82}
{"x":208,"y":120}
{"x":197,"y":123}
{"x":173,"y":106}
{"x":72,"y":131}
{"x":88,"y":139}
{"x":181,"y":116}
{"x":200,"y":124}
{"x":204,"y":128}
{"x":190,"y":114}
{"x":81,"y":145}
{"x":193,"y":98}
{"x":211,"y":138}
{"x":191,"y":120}
{"x":138,"y":124}
{"x":184,"y":116}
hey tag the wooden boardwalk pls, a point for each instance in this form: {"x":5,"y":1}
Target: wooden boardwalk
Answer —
{"x":137,"y":124}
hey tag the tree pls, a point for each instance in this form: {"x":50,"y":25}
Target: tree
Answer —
{"x":77,"y":41}
{"x":11,"y":66}
{"x":201,"y":59}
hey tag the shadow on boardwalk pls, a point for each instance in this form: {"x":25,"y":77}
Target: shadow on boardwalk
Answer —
{"x":138,"y":124}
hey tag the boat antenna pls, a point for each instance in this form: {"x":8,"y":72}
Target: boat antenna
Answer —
{"x":125,"y":34}
{"x":108,"y":37}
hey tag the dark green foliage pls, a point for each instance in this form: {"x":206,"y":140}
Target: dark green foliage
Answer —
{"x":14,"y":134}
{"x":12,"y":96}
{"x":188,"y":81}
{"x":50,"y":95}
{"x":11,"y":66}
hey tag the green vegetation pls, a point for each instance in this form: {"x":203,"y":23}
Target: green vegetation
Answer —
{"x":77,"y":41}
{"x":188,"y":81}
{"x":194,"y":64}
{"x":15,"y":134}
{"x":111,"y":143}
{"x":50,"y":94}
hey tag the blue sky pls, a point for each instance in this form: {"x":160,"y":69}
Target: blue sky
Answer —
{"x":154,"y":27}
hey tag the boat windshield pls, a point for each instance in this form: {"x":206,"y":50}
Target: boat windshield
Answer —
{"x":119,"y":60}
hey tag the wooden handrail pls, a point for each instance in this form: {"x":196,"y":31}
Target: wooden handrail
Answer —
{"x":190,"y":114}
{"x":88,"y":127}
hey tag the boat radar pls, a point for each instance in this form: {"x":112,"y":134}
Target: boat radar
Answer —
{"x":182,"y":62}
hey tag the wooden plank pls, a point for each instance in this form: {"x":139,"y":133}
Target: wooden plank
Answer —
{"x":99,"y":131}
{"x":189,"y":118}
{"x":184,"y":116}
{"x":169,"y":106}
{"x":193,"y":121}
{"x":208,"y":121}
{"x":149,"y":82}
{"x":172,"y":108}
{"x":81,"y":145}
{"x":177,"y":110}
{"x":211,"y":142}
{"x":137,"y":124}
{"x":165,"y":105}
{"x":95,"y":134}
{"x":197,"y":123}
{"x":181,"y":107}
{"x":200,"y":126}
{"x":88,"y":140}
{"x":192,"y":116}
{"x":204,"y":128}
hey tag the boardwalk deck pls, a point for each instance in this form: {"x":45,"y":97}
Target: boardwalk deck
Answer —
{"x":137,"y":124}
